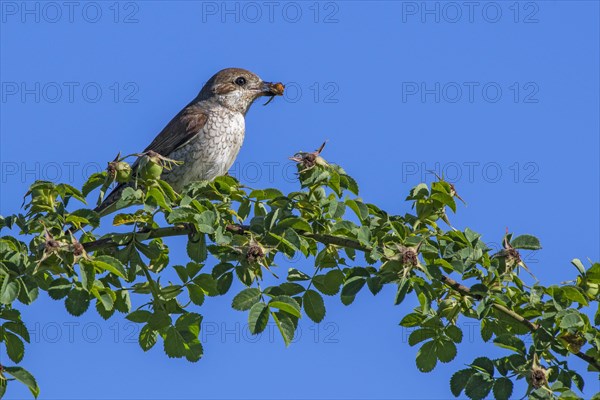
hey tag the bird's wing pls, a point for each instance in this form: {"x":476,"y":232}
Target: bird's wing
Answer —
{"x":183,"y":127}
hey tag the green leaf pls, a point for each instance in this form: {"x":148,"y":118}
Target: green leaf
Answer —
{"x":196,"y":294}
{"x":208,"y":283}
{"x":287,"y":325}
{"x":329,"y":284}
{"x":296,"y":275}
{"x":77,"y":302}
{"x":174,"y":344}
{"x":526,"y":242}
{"x":9,"y":290}
{"x":574,"y":293}
{"x":478,"y":387}
{"x":94,"y":181}
{"x":111,"y":264}
{"x":139,"y":316}
{"x":487,"y":329}
{"x":403,"y":287}
{"x":286,"y":304}
{"x":147,"y":338}
{"x":445,"y":350}
{"x":459,"y":380}
{"x":224,"y":282}
{"x":484,"y":364}
{"x":160,"y":319}
{"x":503,"y":388}
{"x":245,"y":299}
{"x":189,"y":322}
{"x":265,"y":194}
{"x":454,"y":333}
{"x":353,"y":285}
{"x":181,"y":273}
{"x":17,"y":327}
{"x":593,"y":274}
{"x":579,"y":265}
{"x":258,"y":318}
{"x":419,"y":335}
{"x":510,"y":342}
{"x":23,"y":376}
{"x":314,"y":306}
{"x":194,"y":350}
{"x":571,"y":320}
{"x":196,"y":249}
{"x":205,"y":221}
{"x":59,"y":288}
{"x":426,"y":358}
{"x":412,"y":319}
{"x":14,"y":347}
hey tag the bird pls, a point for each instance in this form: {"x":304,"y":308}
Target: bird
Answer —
{"x":207,"y":134}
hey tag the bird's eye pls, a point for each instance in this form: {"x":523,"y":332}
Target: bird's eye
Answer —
{"x":241,"y":81}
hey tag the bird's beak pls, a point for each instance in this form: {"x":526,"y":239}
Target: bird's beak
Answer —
{"x":272,"y":89}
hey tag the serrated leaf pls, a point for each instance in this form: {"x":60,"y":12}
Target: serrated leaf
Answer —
{"x":510,"y":342}
{"x":95,"y":180}
{"x":147,"y":338}
{"x":139,"y":316}
{"x":526,"y":242}
{"x":8,"y":291}
{"x":484,"y":364}
{"x":478,"y":387}
{"x":258,"y":318}
{"x":196,"y":294}
{"x":77,"y":302}
{"x":286,"y":304}
{"x":353,"y":285}
{"x":329,"y":284}
{"x":224,"y":282}
{"x":503,"y":388}
{"x":245,"y":299}
{"x":296,"y":275}
{"x":426,"y":358}
{"x":419,"y":335}
{"x":571,"y":320}
{"x":459,"y":380}
{"x":111,"y":264}
{"x":196,"y":249}
{"x":23,"y":376}
{"x":174,"y":344}
{"x":287,"y":325}
{"x":454,"y":333}
{"x":445,"y":350}
{"x":17,"y":327}
{"x":14,"y":347}
{"x":314,"y":306}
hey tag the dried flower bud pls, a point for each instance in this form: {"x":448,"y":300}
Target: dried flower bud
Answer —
{"x":410,"y":257}
{"x":254,"y":253}
{"x":538,"y":377}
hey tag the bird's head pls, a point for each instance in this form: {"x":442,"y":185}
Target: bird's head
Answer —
{"x":237,"y":88}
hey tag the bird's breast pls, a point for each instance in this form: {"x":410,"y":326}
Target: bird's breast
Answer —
{"x":211,"y":152}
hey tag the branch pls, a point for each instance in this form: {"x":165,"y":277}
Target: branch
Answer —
{"x":181,"y":230}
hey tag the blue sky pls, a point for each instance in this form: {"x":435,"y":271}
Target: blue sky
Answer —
{"x":501,"y":97}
